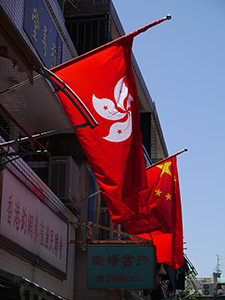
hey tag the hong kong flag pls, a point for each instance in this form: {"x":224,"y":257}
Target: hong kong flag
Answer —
{"x":103,"y":79}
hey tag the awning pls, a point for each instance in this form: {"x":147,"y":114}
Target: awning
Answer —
{"x":18,"y":287}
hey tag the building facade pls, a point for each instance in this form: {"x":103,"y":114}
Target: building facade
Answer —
{"x":46,"y":180}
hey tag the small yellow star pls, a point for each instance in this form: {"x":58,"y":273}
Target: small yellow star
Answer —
{"x":168,"y":197}
{"x":165,"y":168}
{"x":158,"y":192}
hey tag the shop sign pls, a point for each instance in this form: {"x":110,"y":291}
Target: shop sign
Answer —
{"x":42,"y":33}
{"x":121,"y":266}
{"x":30,"y":223}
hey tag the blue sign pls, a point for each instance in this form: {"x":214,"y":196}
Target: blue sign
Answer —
{"x":41,"y":31}
{"x":121,"y":266}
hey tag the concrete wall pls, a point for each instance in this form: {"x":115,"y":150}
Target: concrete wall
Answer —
{"x":81,"y":292}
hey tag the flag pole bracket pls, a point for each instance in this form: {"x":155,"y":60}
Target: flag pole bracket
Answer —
{"x":89,"y":240}
{"x":61,"y":86}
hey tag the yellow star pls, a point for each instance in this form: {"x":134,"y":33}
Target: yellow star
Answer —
{"x":168,"y":197}
{"x":158,"y":192}
{"x":165,"y":168}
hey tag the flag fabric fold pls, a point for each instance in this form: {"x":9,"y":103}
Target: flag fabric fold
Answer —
{"x":103,"y":79}
{"x":160,"y":213}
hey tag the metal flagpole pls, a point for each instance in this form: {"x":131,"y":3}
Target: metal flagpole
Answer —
{"x":19,"y":85}
{"x":143,"y":29}
{"x":91,"y":195}
{"x":161,"y":161}
{"x":43,"y":134}
{"x":23,"y":129}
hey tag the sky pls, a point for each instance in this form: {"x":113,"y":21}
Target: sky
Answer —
{"x":183,"y":64}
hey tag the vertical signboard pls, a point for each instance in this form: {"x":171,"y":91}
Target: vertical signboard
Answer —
{"x":121,"y":266}
{"x":28,"y":222}
{"x":42,"y":32}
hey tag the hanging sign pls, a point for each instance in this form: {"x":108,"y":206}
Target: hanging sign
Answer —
{"x":42,"y":33}
{"x":31,"y":225}
{"x":121,"y":266}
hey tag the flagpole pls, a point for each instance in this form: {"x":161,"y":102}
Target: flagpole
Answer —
{"x":143,"y":29}
{"x":43,"y":134}
{"x":7,"y":113}
{"x":19,"y":85}
{"x":169,"y":157}
{"x":134,"y":33}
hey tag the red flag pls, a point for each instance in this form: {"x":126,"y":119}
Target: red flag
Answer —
{"x":103,"y":79}
{"x":160,"y":215}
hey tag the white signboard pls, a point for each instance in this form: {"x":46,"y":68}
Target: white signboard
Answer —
{"x":28,"y":222}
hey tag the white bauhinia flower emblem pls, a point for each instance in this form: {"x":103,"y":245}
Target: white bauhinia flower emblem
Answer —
{"x":106,"y":108}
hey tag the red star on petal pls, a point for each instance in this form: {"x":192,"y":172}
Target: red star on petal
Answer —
{"x":105,"y":107}
{"x":119,"y":131}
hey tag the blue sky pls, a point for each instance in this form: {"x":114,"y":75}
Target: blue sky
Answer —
{"x":183,"y":64}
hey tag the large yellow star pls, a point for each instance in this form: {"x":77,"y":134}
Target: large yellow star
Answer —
{"x":168,"y":197}
{"x":165,"y":168}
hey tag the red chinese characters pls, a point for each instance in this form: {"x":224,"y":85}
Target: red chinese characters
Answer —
{"x":128,"y":260}
{"x":143,"y":258}
{"x":98,"y":260}
{"x":33,"y":227}
{"x":112,"y":259}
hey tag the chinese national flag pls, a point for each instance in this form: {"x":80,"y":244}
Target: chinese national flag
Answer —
{"x":160,"y":215}
{"x":103,"y":79}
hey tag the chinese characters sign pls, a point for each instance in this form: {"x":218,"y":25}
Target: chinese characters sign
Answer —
{"x":121,"y":266}
{"x":28,"y":222}
{"x":42,"y":33}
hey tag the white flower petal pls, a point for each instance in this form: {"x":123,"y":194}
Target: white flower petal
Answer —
{"x":120,"y":131}
{"x":120,"y":93}
{"x":106,"y":108}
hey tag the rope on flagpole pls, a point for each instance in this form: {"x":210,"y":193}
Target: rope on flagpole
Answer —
{"x":143,"y":29}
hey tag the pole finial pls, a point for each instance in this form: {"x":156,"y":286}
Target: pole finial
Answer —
{"x":168,"y":17}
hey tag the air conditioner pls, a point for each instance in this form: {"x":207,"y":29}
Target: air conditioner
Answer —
{"x":208,"y":289}
{"x":105,"y":220}
{"x":64,"y":179}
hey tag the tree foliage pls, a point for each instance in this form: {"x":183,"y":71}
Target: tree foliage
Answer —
{"x":185,"y":294}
